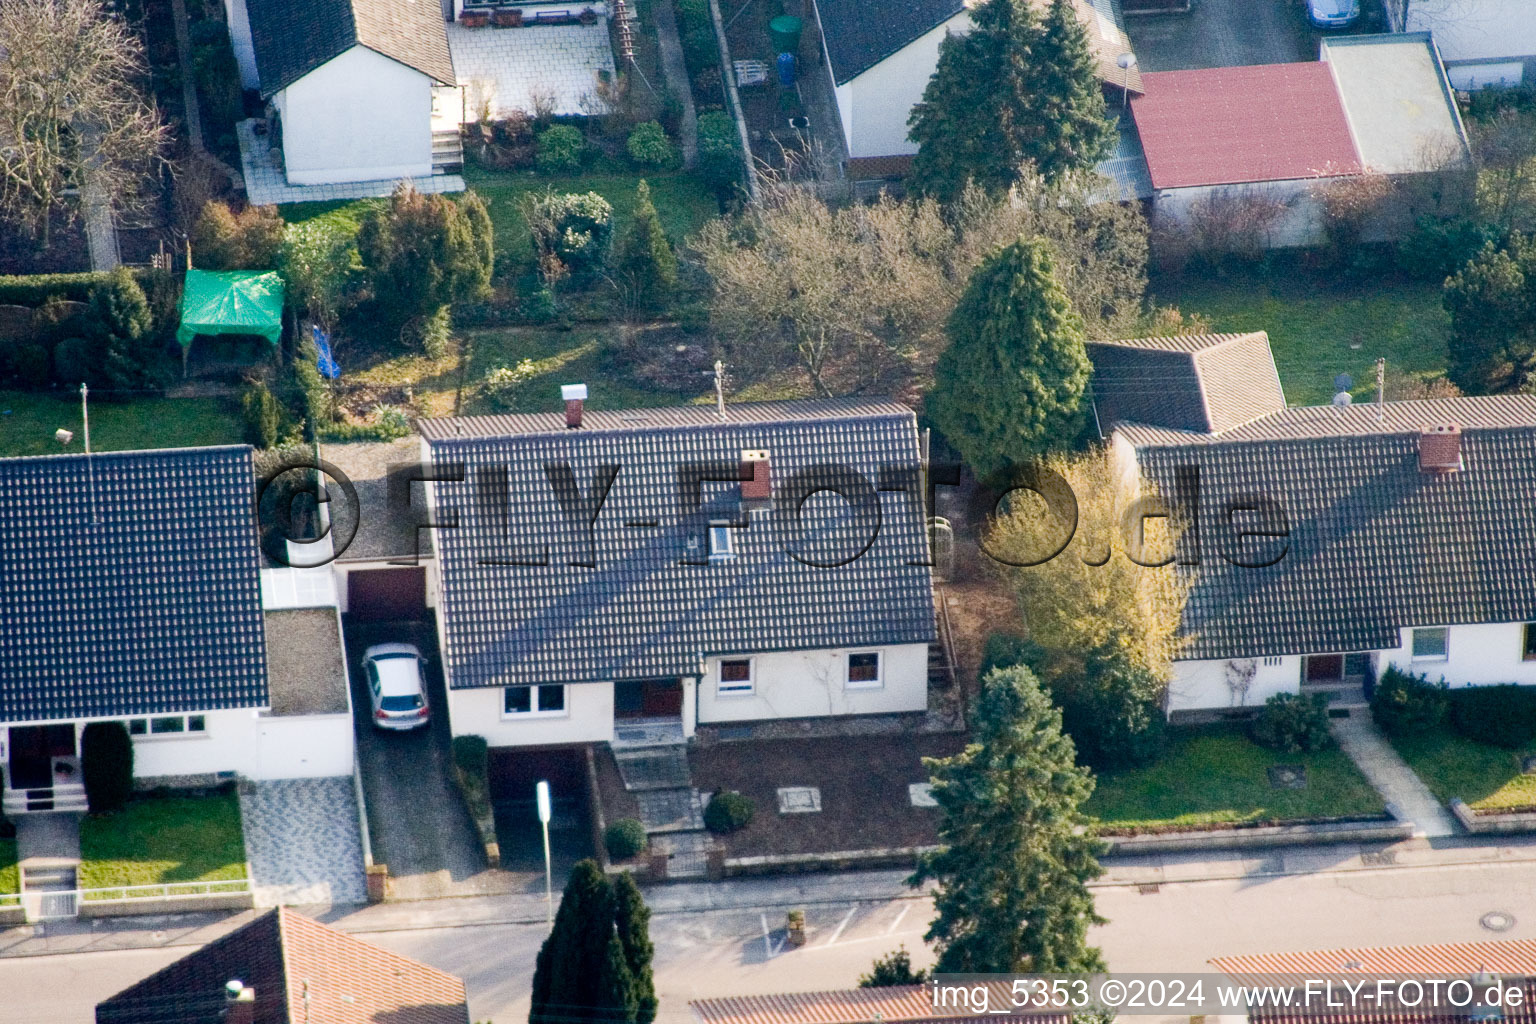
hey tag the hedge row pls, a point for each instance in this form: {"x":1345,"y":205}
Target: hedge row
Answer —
{"x":35,"y":289}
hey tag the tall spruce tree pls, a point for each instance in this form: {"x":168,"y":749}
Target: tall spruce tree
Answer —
{"x":643,"y":261}
{"x":126,"y":348}
{"x":632,"y":919}
{"x":1019,"y":87}
{"x":1492,"y":303}
{"x":1010,"y":386}
{"x":423,"y":252}
{"x":1016,"y":858}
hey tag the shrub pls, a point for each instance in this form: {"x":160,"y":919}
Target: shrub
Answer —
{"x":74,"y":362}
{"x":27,"y":364}
{"x":501,"y":384}
{"x":700,"y":49}
{"x":560,"y":149}
{"x":1436,"y":249}
{"x":1407,"y":705}
{"x":649,"y":146}
{"x":263,"y":415}
{"x":249,"y":240}
{"x":624,"y":839}
{"x":719,"y":151}
{"x":106,"y":766}
{"x":433,"y":332}
{"x":574,"y":228}
{"x":35,"y":289}
{"x":1293,"y":723}
{"x":895,"y":968}
{"x":728,"y":811}
{"x":471,"y":754}
{"x":1503,"y":715}
{"x":1005,"y":650}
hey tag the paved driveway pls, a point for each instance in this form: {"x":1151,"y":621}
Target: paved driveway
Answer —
{"x":419,"y":827}
{"x":302,"y":841}
{"x":1223,"y":33}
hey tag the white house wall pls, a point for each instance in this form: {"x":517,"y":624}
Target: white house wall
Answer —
{"x":588,"y":717}
{"x":359,"y":117}
{"x":1476,"y":655}
{"x":229,"y":743}
{"x":303,"y":747}
{"x":240,"y":39}
{"x":876,"y":104}
{"x":1477,"y":30}
{"x":1300,"y":224}
{"x":1201,"y":685}
{"x":810,"y":684}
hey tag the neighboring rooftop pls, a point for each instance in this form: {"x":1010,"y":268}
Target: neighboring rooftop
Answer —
{"x":1513,"y":958}
{"x":129,"y":584}
{"x":894,"y":1004}
{"x":1399,"y":103}
{"x":1208,"y":383}
{"x":648,"y":601}
{"x":306,"y":662}
{"x":1267,"y":122}
{"x":387,"y":513}
{"x":291,"y":38}
{"x":300,"y":971}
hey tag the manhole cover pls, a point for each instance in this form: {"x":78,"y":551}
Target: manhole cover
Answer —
{"x":1149,"y":888}
{"x":1497,"y":921}
{"x":1288,"y":776}
{"x":800,"y":800}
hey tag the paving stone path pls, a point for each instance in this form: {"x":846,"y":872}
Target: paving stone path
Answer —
{"x":1390,"y":775}
{"x":265,"y":184}
{"x":302,"y":841}
{"x":505,"y":69}
{"x":671,"y":810}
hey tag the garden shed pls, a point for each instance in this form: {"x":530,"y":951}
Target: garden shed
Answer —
{"x":231,"y":302}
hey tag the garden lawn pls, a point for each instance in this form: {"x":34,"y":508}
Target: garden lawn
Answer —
{"x":1488,"y":778}
{"x":28,"y":422}
{"x":1312,"y":325}
{"x":682,"y":202}
{"x":1214,"y":775}
{"x":164,"y":839}
{"x":10,"y":873}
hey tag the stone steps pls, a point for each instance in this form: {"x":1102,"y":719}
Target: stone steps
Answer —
{"x":650,"y":768}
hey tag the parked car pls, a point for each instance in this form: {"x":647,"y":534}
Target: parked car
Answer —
{"x":1333,"y":13}
{"x":395,"y":687}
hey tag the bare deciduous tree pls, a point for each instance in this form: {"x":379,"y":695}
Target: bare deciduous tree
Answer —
{"x":72,"y":113}
{"x":1505,"y":148}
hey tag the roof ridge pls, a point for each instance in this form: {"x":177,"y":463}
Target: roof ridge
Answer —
{"x":120,"y":453}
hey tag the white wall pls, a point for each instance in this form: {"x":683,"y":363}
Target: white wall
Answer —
{"x":1476,"y":29}
{"x":1300,"y":224}
{"x":240,"y":38}
{"x":1203,"y":684}
{"x":876,"y":104}
{"x":588,"y":717}
{"x":360,"y":117}
{"x":808,"y":684}
{"x":303,"y":747}
{"x":228,"y":744}
{"x":1477,"y":655}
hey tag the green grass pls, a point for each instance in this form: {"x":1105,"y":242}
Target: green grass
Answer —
{"x":1212,"y":775}
{"x":10,"y":873}
{"x":682,"y":202}
{"x":28,"y":422}
{"x":164,"y":839}
{"x":1312,"y":325}
{"x":1488,"y":778}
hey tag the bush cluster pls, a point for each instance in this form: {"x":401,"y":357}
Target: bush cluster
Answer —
{"x":1503,"y":715}
{"x":649,"y":146}
{"x":1408,"y":705}
{"x":501,"y":383}
{"x":1293,"y":723}
{"x":728,"y":811}
{"x":624,"y":839}
{"x":719,"y":151}
{"x":560,"y":149}
{"x":106,"y":766}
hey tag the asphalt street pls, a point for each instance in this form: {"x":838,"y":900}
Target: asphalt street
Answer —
{"x":1173,"y":926}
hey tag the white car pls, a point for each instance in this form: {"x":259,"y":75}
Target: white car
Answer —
{"x":395,"y":686}
{"x":1333,"y":13}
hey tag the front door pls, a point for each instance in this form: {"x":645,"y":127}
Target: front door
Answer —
{"x":648,"y":698}
{"x":33,"y":749}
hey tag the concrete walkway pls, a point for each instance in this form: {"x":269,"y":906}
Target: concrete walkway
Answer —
{"x":48,"y":837}
{"x":1409,"y":798}
{"x":302,"y":841}
{"x":676,"y":72}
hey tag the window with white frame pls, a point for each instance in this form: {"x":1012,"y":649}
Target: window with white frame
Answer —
{"x":864,"y":670}
{"x":735,"y":677}
{"x":1431,"y":643}
{"x":720,"y":543}
{"x":546,"y":701}
{"x":168,"y":726}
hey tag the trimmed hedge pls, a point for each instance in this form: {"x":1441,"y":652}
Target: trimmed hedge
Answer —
{"x":35,"y":289}
{"x":106,"y":766}
{"x":1502,"y":715}
{"x":624,"y":839}
{"x":1293,"y":723}
{"x":1408,"y":705}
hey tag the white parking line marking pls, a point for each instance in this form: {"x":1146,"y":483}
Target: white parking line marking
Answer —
{"x":905,"y":907}
{"x":841,"y":925}
{"x":769,"y":947}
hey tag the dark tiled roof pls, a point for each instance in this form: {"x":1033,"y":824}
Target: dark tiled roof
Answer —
{"x":129,"y":584}
{"x":1209,"y":383}
{"x":595,"y":420}
{"x":286,"y":957}
{"x":861,"y":33}
{"x":1374,"y":543}
{"x":294,"y":37}
{"x":641,"y":612}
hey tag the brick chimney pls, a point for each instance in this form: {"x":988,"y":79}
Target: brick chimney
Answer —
{"x":1440,"y":449}
{"x":755,"y":482}
{"x":239,"y":1003}
{"x":575,"y":396}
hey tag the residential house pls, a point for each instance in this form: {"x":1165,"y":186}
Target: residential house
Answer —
{"x":285,"y":968}
{"x":653,"y":570}
{"x":881,"y":54}
{"x":131,"y":590}
{"x":360,"y":90}
{"x":1241,"y":153}
{"x":1484,"y":43}
{"x":1325,"y":544}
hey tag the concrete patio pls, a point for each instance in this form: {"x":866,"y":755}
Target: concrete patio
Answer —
{"x":505,"y":69}
{"x":265,"y":184}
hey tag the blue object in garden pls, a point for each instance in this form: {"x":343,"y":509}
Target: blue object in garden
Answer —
{"x":786,"y":65}
{"x":326,"y":362}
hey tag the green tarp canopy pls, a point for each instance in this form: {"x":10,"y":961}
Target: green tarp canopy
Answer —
{"x":231,"y":302}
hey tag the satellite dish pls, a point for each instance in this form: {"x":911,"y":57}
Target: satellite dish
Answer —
{"x":1342,"y":399}
{"x":1343,"y":382}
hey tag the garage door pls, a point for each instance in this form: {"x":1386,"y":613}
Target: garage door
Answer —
{"x":378,"y":595}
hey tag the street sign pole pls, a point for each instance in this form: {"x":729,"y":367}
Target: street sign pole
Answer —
{"x":549,"y":889}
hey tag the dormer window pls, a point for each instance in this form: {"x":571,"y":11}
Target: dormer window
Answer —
{"x":720,"y":545}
